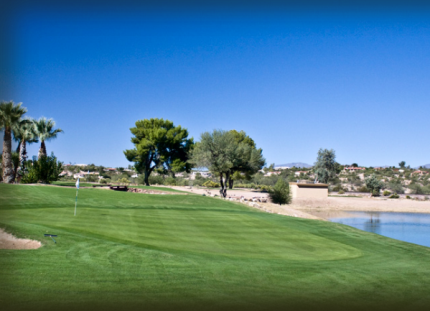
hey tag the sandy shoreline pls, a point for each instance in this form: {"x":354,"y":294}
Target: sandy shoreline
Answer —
{"x":301,"y":207}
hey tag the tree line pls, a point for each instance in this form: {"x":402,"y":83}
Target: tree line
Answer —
{"x":163,"y":147}
{"x":26,"y":131}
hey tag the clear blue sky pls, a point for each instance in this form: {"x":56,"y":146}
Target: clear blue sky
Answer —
{"x":295,"y":80}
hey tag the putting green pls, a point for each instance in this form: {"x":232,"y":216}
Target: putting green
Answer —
{"x":194,"y":252}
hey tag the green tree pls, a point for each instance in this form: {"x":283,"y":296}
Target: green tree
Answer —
{"x":216,"y":151}
{"x":159,"y":144}
{"x":10,"y":116}
{"x":354,"y":165}
{"x":325,"y":167}
{"x":374,"y":185}
{"x":44,"y":170}
{"x":280,"y":193}
{"x":45,"y":131}
{"x":402,"y":164}
{"x":249,"y":160}
{"x":24,"y":133}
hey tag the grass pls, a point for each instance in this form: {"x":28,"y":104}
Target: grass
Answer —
{"x":144,"y":252}
{"x":84,"y":184}
{"x":72,"y":184}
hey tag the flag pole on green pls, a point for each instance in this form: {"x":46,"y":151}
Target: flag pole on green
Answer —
{"x":77,"y":189}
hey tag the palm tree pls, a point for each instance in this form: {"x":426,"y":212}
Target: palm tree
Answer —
{"x":23,"y":133}
{"x":10,"y":116}
{"x":45,"y":131}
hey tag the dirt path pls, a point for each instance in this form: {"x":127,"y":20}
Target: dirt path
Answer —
{"x":8,"y":241}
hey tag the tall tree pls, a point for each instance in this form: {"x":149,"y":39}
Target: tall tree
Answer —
{"x":45,"y":131}
{"x":325,"y":166}
{"x":159,"y":144}
{"x":24,"y":133}
{"x":10,"y":115}
{"x":248,"y":158}
{"x":402,"y":164}
{"x":216,"y":151}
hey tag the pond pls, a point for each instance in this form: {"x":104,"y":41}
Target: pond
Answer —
{"x":409,"y":227}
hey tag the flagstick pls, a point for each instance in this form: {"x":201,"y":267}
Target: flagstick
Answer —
{"x":76,"y":200}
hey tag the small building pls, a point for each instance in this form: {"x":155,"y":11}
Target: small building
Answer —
{"x":308,"y":190}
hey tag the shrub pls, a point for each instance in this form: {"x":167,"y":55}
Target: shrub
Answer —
{"x":156,"y":179}
{"x":373,"y":184}
{"x":416,"y":188}
{"x":211,"y":184}
{"x":341,"y":192}
{"x":44,"y":170}
{"x":103,"y":181}
{"x":393,"y":196}
{"x":375,"y":193}
{"x":265,"y":188}
{"x":170,"y":181}
{"x":387,"y":193}
{"x":280,"y":193}
{"x":123,"y":181}
{"x":363,"y":189}
{"x":337,"y":188}
{"x":408,"y":197}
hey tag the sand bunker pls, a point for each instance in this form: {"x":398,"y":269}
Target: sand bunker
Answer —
{"x":8,"y":241}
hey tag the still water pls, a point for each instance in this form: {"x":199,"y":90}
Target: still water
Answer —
{"x":409,"y":227}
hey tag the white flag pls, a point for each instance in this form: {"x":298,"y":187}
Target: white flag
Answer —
{"x":77,"y":184}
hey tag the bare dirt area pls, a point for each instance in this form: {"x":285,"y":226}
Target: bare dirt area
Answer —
{"x":137,"y":190}
{"x":300,"y":207}
{"x":363,"y":204}
{"x":8,"y":241}
{"x":248,"y":194}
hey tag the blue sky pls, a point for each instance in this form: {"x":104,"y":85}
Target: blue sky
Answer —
{"x":294,"y":80}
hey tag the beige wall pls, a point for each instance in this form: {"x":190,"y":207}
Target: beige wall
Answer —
{"x":308,"y":192}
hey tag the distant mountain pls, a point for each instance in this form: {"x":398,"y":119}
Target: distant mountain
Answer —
{"x":425,"y":166}
{"x":296,"y":164}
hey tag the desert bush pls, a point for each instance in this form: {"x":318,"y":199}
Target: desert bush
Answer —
{"x":393,"y":196}
{"x":157,"y":179}
{"x":123,"y":181}
{"x":386,"y":193}
{"x":376,"y":193}
{"x":170,"y":181}
{"x":341,"y":192}
{"x":416,"y":188}
{"x":408,"y":197}
{"x":280,"y":193}
{"x":337,"y":187}
{"x":211,"y":184}
{"x":363,"y":189}
{"x":265,"y":188}
{"x":374,"y":184}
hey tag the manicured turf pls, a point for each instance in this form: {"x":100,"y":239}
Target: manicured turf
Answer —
{"x":72,"y":184}
{"x":143,"y":252}
{"x":84,"y":184}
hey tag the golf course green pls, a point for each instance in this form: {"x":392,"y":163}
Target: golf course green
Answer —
{"x":144,"y":252}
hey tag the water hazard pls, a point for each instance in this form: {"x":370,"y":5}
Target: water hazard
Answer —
{"x":409,"y":227}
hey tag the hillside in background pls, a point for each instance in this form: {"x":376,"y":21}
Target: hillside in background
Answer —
{"x":296,"y":164}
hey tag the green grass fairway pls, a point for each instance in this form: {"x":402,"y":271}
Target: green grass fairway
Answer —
{"x":145,"y":252}
{"x":84,"y":184}
{"x":71,"y":184}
